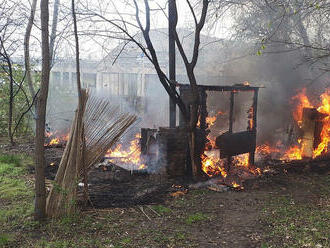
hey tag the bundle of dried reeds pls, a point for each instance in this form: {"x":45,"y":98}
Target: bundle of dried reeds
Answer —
{"x":97,"y":126}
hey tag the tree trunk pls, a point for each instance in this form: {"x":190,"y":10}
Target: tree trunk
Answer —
{"x":6,"y":57}
{"x":40,"y":203}
{"x":11,"y":103}
{"x":27,"y":49}
{"x":53,"y":33}
{"x":193,"y":123}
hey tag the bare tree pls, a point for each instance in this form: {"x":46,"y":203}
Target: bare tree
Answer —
{"x":190,"y":66}
{"x":124,"y":26}
{"x":5,"y":56}
{"x":53,"y":34}
{"x":285,"y":26}
{"x":40,"y":203}
{"x":27,"y":48}
{"x":10,"y":24}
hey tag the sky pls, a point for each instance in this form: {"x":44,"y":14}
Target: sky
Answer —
{"x":97,"y":46}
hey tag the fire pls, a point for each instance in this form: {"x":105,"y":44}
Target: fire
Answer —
{"x":250,"y":117}
{"x":325,"y":133}
{"x":130,"y":156}
{"x":303,"y":102}
{"x":296,"y":152}
{"x":212,"y":165}
{"x":210,"y":120}
{"x":236,"y":185}
{"x":242,"y":160}
{"x":293,"y":153}
{"x":266,"y":149}
{"x":56,"y":139}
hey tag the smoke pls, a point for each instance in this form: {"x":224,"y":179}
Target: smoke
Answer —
{"x":280,"y":74}
{"x":135,"y":88}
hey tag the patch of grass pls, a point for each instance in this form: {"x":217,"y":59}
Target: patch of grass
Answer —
{"x":15,"y":213}
{"x":180,"y":236}
{"x":298,"y":225}
{"x":10,"y":159}
{"x":161,"y":209}
{"x":69,"y":220}
{"x":199,"y":192}
{"x":56,"y":244}
{"x":10,"y":170}
{"x":11,"y":188}
{"x":5,"y":239}
{"x":197,"y":217}
{"x":125,"y":242}
{"x":15,"y":193}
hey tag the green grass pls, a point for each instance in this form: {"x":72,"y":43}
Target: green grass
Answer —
{"x":296,"y":225}
{"x":161,"y":209}
{"x":113,"y":228}
{"x":10,"y":159}
{"x":173,"y":224}
{"x":197,"y":217}
{"x":5,"y":239}
{"x":16,"y":197}
{"x":13,"y":186}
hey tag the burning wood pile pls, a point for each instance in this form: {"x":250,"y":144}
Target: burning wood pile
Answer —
{"x":56,"y":139}
{"x":225,"y":155}
{"x":311,"y":140}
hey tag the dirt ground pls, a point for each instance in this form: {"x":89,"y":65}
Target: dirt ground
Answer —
{"x":174,"y":215}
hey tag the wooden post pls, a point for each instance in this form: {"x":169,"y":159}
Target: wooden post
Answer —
{"x":231,"y":121}
{"x":203,"y":113}
{"x":231,"y":113}
{"x":254,"y":124}
{"x":83,"y":164}
{"x":171,"y":57}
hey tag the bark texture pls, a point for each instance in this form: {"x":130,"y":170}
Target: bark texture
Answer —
{"x":40,"y":202}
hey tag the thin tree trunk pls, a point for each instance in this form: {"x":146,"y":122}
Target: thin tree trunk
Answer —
{"x":53,"y":33}
{"x":196,"y":172}
{"x":27,"y":48}
{"x":77,"y":49}
{"x":11,"y":104}
{"x":40,"y":203}
{"x":80,"y":103}
{"x":11,"y":91}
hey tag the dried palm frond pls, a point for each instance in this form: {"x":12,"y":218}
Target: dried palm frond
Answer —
{"x":97,"y":126}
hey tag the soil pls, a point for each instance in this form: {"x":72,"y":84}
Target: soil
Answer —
{"x":231,"y":219}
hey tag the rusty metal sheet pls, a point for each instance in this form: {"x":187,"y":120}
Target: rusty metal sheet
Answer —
{"x":232,"y":144}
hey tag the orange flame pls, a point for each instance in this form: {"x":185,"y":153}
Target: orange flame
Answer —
{"x":212,"y":165}
{"x":303,"y":102}
{"x":325,"y":133}
{"x":56,"y":139}
{"x":250,"y":117}
{"x":131,"y":156}
{"x":236,"y":185}
{"x":242,"y":160}
{"x":210,"y":120}
{"x":296,"y":152}
{"x":293,"y":153}
{"x":266,"y":149}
